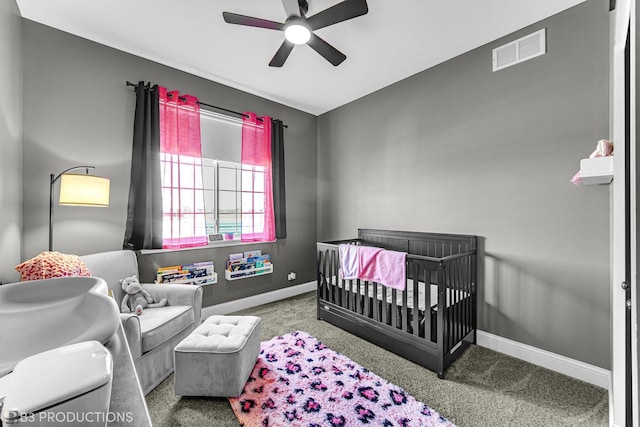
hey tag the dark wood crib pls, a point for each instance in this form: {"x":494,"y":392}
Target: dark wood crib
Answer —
{"x":432,"y":321}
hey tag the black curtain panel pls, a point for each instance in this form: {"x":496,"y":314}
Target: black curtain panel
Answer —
{"x":279,"y":192}
{"x":144,"y":213}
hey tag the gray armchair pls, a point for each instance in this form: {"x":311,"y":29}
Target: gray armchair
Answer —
{"x":153,"y":335}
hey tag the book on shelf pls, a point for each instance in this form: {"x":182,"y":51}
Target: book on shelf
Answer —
{"x":234,"y":257}
{"x":252,"y":254}
{"x":248,"y":263}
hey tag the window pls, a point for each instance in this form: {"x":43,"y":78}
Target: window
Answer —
{"x":234,"y":197}
{"x":183,"y":202}
{"x":215,"y":193}
{"x":221,"y":152}
{"x":254,"y":199}
{"x":222,"y":200}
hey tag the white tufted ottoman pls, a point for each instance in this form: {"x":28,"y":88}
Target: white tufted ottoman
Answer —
{"x":217,"y":358}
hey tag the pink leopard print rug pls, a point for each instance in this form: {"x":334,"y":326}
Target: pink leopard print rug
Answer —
{"x":298,"y":381}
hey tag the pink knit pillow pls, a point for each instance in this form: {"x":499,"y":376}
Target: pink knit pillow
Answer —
{"x":52,"y":264}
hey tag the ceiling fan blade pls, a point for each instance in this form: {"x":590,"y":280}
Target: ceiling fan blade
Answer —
{"x":329,"y":52}
{"x":282,"y":54}
{"x":291,"y":7}
{"x":249,"y":21}
{"x":348,"y":9}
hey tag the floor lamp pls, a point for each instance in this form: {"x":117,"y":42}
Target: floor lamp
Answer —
{"x":78,"y":190}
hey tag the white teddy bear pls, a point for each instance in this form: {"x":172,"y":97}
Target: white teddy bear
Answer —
{"x":135,"y":298}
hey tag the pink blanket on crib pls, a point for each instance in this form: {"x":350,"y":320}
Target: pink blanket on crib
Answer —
{"x":385,"y":267}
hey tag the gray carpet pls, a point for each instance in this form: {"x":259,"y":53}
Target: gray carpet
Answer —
{"x":482,"y":388}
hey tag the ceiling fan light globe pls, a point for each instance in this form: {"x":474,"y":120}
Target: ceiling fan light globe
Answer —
{"x":297,"y":34}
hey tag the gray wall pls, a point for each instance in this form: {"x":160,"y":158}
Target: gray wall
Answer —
{"x":461,"y":149}
{"x":77,"y":110}
{"x":10,"y":139}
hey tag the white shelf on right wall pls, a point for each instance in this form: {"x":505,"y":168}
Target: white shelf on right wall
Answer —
{"x":597,"y":170}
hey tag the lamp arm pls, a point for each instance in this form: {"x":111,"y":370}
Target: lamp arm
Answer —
{"x":52,"y":181}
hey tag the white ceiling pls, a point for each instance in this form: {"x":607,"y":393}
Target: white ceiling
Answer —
{"x":396,"y":39}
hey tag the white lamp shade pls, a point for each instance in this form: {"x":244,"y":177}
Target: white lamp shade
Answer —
{"x":84,"y":190}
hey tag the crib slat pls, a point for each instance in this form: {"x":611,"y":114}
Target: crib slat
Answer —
{"x":335,"y":263}
{"x":327,"y":270}
{"x":376,"y":311}
{"x":446,"y":310}
{"x":346,"y":294}
{"x":459,"y":287}
{"x":469,"y":296}
{"x":416,"y":305}
{"x":394,"y":308}
{"x":367,"y":300}
{"x":454,"y":300}
{"x":456,"y":311}
{"x":353,"y":295}
{"x":465,"y":275}
{"x":469,"y":299}
{"x":337,"y":288}
{"x":384,"y":306}
{"x":343,"y":292}
{"x":426,"y":299}
{"x":472,"y":294}
{"x":321,"y":258}
{"x":441,"y":325}
{"x":320,"y":274}
{"x":450,"y":310}
{"x":462,"y":314}
{"x":359,"y":299}
{"x":465,"y":292}
{"x":427,"y":303}
{"x":460,"y":311}
{"x":405,"y":312}
{"x":327,"y":278}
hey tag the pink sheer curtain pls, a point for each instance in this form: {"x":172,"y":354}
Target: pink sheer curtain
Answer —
{"x":256,"y":182}
{"x":181,"y":158}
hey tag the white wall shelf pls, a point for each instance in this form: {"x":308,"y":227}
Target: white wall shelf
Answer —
{"x":250,"y":272}
{"x":199,"y":274}
{"x":598,"y":170}
{"x":196,"y":281}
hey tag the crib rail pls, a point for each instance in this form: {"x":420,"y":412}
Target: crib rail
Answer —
{"x":438,"y":307}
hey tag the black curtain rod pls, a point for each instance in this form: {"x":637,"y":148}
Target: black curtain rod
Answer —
{"x":209,"y":105}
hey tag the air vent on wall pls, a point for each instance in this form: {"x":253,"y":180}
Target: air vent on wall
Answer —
{"x":520,"y":50}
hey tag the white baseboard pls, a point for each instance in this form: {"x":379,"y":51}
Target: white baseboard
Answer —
{"x":555,"y":362}
{"x":256,"y":300}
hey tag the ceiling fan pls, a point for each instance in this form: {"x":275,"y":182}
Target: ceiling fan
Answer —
{"x":298,"y":28}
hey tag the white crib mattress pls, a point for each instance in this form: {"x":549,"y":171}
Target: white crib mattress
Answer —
{"x":453,"y":296}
